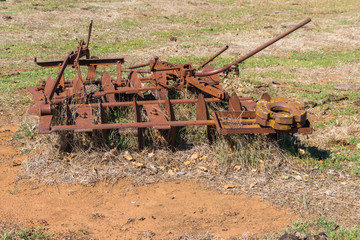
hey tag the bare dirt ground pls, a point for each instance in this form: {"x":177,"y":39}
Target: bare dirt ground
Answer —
{"x":123,"y":211}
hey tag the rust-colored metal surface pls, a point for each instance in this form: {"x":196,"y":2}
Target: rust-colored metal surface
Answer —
{"x":151,"y":92}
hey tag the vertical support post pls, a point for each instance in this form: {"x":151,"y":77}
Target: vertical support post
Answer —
{"x":203,"y":114}
{"x":103,"y":120}
{"x":118,"y":72}
{"x":69,"y":118}
{"x":171,"y":115}
{"x":140,"y":130}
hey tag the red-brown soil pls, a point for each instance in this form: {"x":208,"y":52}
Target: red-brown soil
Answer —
{"x":123,"y":211}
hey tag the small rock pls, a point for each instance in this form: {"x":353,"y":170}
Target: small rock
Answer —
{"x":114,"y":151}
{"x":229,"y":186}
{"x":203,"y":168}
{"x":128,"y":156}
{"x":71,"y":192}
{"x":173,"y":39}
{"x":13,"y":73}
{"x":186,"y":163}
{"x":298,"y":177}
{"x":302,"y":151}
{"x":16,"y":164}
{"x":237,"y":167}
{"x":171,"y":172}
{"x":138,"y":165}
{"x":285,"y":177}
{"x":194,"y":156}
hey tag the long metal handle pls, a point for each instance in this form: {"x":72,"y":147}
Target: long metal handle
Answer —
{"x":89,"y":34}
{"x":212,"y":58}
{"x":250,"y":54}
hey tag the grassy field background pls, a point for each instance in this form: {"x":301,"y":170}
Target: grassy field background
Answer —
{"x":321,"y":176}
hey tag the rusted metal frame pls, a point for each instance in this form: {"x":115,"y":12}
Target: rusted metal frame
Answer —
{"x":82,"y":62}
{"x":134,"y":125}
{"x":72,"y":56}
{"x":127,"y":90}
{"x":212,"y":58}
{"x":138,"y":66}
{"x":58,"y":78}
{"x":221,"y":94}
{"x":252,"y":53}
{"x":173,"y":101}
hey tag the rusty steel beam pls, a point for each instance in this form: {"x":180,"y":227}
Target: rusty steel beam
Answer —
{"x":82,"y":62}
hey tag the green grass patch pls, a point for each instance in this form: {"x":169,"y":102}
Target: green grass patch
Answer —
{"x":13,"y":191}
{"x":330,"y":228}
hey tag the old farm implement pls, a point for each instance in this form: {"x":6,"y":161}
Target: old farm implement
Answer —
{"x":82,"y":104}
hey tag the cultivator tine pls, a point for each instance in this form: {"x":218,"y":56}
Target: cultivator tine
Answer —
{"x":91,"y":71}
{"x":78,"y":87}
{"x":139,"y":130}
{"x":83,"y":119}
{"x":234,"y":103}
{"x":108,"y":87}
{"x":156,"y":115}
{"x":135,"y":82}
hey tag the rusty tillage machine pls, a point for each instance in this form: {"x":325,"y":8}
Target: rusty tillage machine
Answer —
{"x":82,"y":104}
